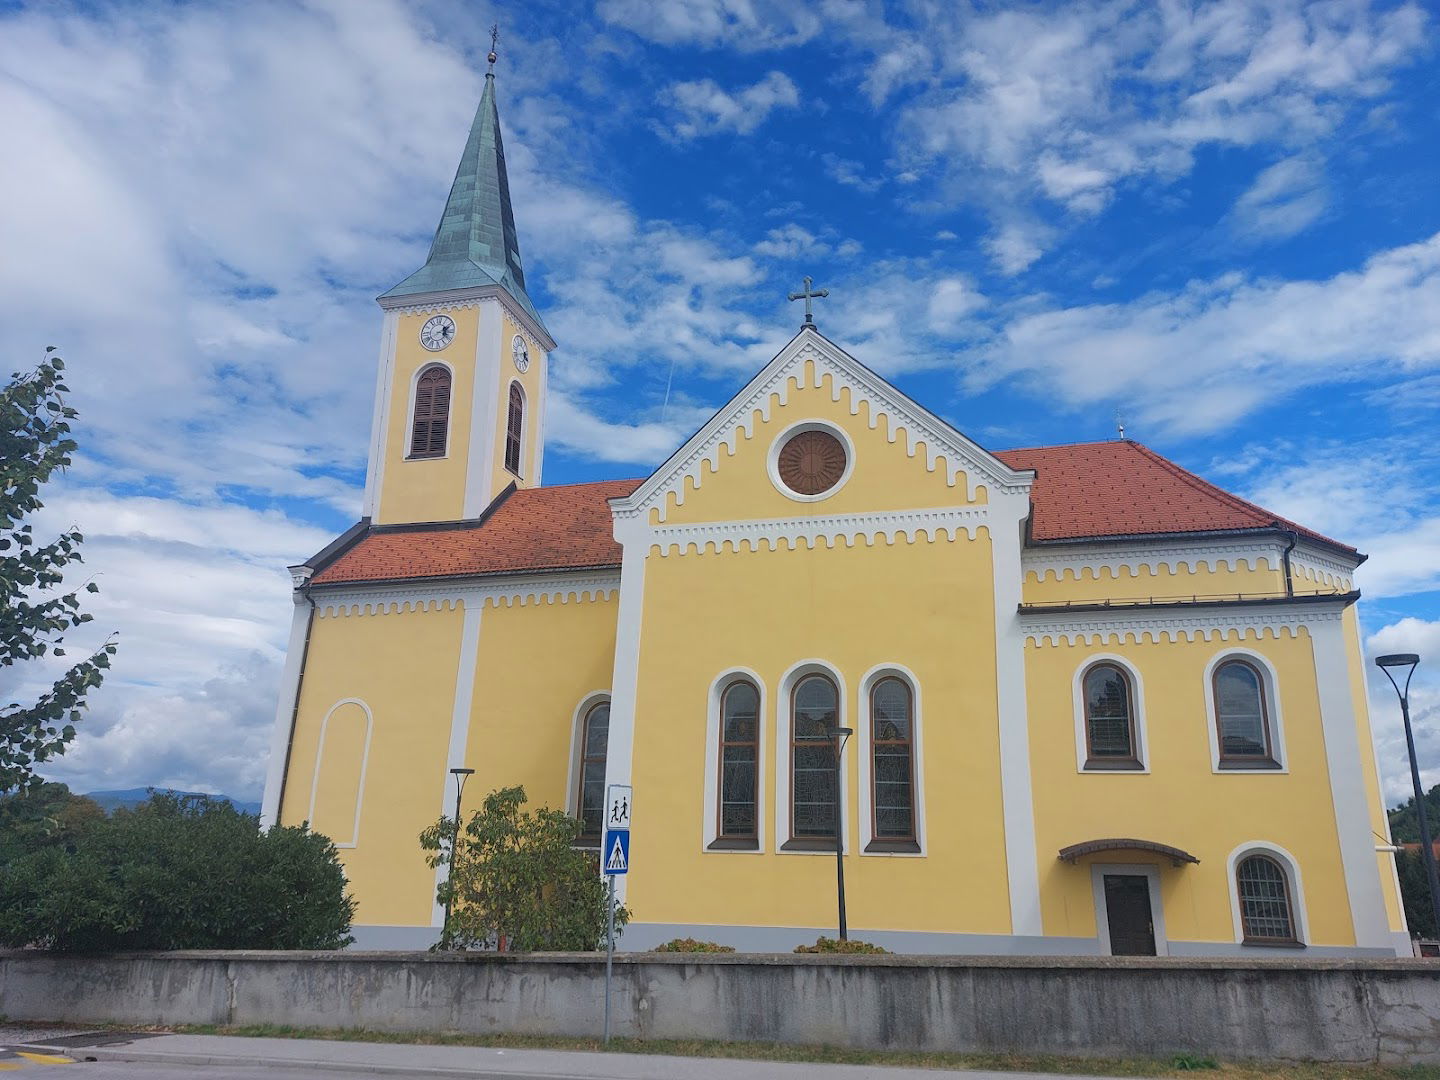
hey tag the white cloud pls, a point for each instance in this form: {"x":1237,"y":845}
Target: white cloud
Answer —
{"x":1285,"y":199}
{"x":745,"y":25}
{"x":1014,"y":248}
{"x":706,"y":109}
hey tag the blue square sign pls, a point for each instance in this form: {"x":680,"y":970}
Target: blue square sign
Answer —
{"x":615,"y":854}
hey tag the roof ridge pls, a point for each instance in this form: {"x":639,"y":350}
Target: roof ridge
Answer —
{"x":1061,"y":446}
{"x":584,"y":484}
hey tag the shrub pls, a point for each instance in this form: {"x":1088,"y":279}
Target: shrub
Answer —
{"x":831,"y":945}
{"x":690,"y":944}
{"x":178,"y":873}
{"x":520,"y":882}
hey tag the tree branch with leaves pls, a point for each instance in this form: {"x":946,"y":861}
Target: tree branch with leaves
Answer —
{"x":36,"y":611}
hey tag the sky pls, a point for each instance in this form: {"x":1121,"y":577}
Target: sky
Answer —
{"x":1215,"y":222}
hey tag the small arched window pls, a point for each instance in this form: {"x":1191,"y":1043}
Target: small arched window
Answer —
{"x":431,"y":421}
{"x":814,"y":793}
{"x":892,"y":735}
{"x":590,"y":798}
{"x":739,"y":763}
{"x":514,"y":426}
{"x":1242,"y":716}
{"x":1267,"y":911}
{"x":1109,"y":719}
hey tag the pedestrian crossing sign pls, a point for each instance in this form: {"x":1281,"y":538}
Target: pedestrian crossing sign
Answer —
{"x":616,"y":851}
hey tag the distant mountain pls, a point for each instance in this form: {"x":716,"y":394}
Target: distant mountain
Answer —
{"x":110,"y":800}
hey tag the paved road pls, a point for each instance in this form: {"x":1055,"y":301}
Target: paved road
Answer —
{"x":220,"y":1057}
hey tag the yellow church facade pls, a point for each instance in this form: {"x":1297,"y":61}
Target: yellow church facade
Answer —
{"x":1094,"y":704}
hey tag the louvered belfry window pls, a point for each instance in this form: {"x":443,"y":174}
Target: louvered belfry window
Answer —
{"x":514,"y":424}
{"x":431,"y":422}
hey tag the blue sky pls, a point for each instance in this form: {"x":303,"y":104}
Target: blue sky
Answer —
{"x":1213,"y":220}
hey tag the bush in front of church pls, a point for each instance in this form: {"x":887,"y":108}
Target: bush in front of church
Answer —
{"x":176,"y":873}
{"x":693,"y":945}
{"x":520,"y":883}
{"x":833,"y":945}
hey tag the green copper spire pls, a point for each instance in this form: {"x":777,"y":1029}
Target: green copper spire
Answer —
{"x":476,"y":243}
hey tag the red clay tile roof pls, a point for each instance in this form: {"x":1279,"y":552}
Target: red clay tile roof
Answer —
{"x":1121,"y":488}
{"x":566,"y":527}
{"x":1084,"y":491}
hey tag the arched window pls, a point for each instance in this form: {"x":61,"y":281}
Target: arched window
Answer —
{"x":1242,"y":716}
{"x":431,"y":421}
{"x":739,"y":762}
{"x":814,"y":794}
{"x":1109,"y":719}
{"x":590,"y":798}
{"x":514,"y":425}
{"x":1267,"y":913}
{"x":892,"y":735}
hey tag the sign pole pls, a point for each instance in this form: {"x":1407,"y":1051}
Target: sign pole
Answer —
{"x":609,"y":956}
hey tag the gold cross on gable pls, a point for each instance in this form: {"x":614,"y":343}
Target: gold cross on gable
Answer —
{"x":807,"y":294}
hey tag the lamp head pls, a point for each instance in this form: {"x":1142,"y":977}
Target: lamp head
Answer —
{"x":844,"y":732}
{"x":462,"y":772}
{"x":1398,"y":660}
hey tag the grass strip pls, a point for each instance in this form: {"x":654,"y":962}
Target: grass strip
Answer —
{"x":1180,"y":1065}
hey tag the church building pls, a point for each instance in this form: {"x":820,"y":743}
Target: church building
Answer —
{"x":1096,"y":704}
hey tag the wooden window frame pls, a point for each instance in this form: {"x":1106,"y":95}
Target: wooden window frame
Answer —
{"x":1267,"y":760}
{"x":435,"y":415}
{"x":1131,"y":763}
{"x":515,"y":428}
{"x":1246,"y":938}
{"x":878,"y":843}
{"x":586,"y":839}
{"x":811,"y":843}
{"x":737,"y":841}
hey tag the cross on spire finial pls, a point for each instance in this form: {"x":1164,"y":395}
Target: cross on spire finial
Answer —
{"x":807,"y":294}
{"x":494,"y":37}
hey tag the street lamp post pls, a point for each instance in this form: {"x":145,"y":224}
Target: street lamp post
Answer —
{"x":1391,"y":665}
{"x":840,"y":735}
{"x":461,"y":775}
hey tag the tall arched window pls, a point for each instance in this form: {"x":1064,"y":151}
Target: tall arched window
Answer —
{"x":431,"y":421}
{"x":814,"y":794}
{"x":590,"y":797}
{"x":739,"y":763}
{"x":892,"y":735}
{"x":514,"y":426}
{"x":1242,"y":716}
{"x":1267,"y":912}
{"x":1109,"y":719}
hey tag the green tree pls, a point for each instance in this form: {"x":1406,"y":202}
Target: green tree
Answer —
{"x":46,"y":815}
{"x":1415,"y":891}
{"x":1405,"y":823}
{"x":520,"y":882}
{"x":35,"y":612}
{"x":178,"y":873}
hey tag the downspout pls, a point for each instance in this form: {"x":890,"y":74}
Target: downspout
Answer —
{"x":1285,"y":559}
{"x":295,"y":710}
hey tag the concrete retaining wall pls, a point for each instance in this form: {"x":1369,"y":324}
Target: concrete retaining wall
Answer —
{"x":1327,"y":1010}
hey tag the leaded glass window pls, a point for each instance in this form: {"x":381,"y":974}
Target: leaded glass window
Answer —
{"x":892,"y":733}
{"x":739,"y":759}
{"x":1266,"y":911}
{"x":594,"y":738}
{"x":815,"y":713}
{"x":1241,"y":714}
{"x":1109,"y":718}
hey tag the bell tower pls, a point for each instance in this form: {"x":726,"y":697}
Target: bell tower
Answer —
{"x":460,"y":396}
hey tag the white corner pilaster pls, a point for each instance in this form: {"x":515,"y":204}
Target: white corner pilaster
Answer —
{"x":380,"y":418}
{"x":459,"y":722}
{"x":537,"y":412}
{"x":484,"y":408}
{"x":1347,"y":783}
{"x":1008,"y":511}
{"x":285,"y":710}
{"x":634,"y":537}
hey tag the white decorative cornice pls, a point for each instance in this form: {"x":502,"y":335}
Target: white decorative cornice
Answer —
{"x":299,"y":575}
{"x":1080,"y":561}
{"x":793,"y":532}
{"x":506,"y":592}
{"x":1139,"y":625}
{"x":919,"y":425}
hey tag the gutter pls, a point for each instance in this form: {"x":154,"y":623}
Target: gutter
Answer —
{"x":295,"y":707}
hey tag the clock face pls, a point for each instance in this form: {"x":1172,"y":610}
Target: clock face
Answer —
{"x":438,"y":331}
{"x":521,"y":353}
